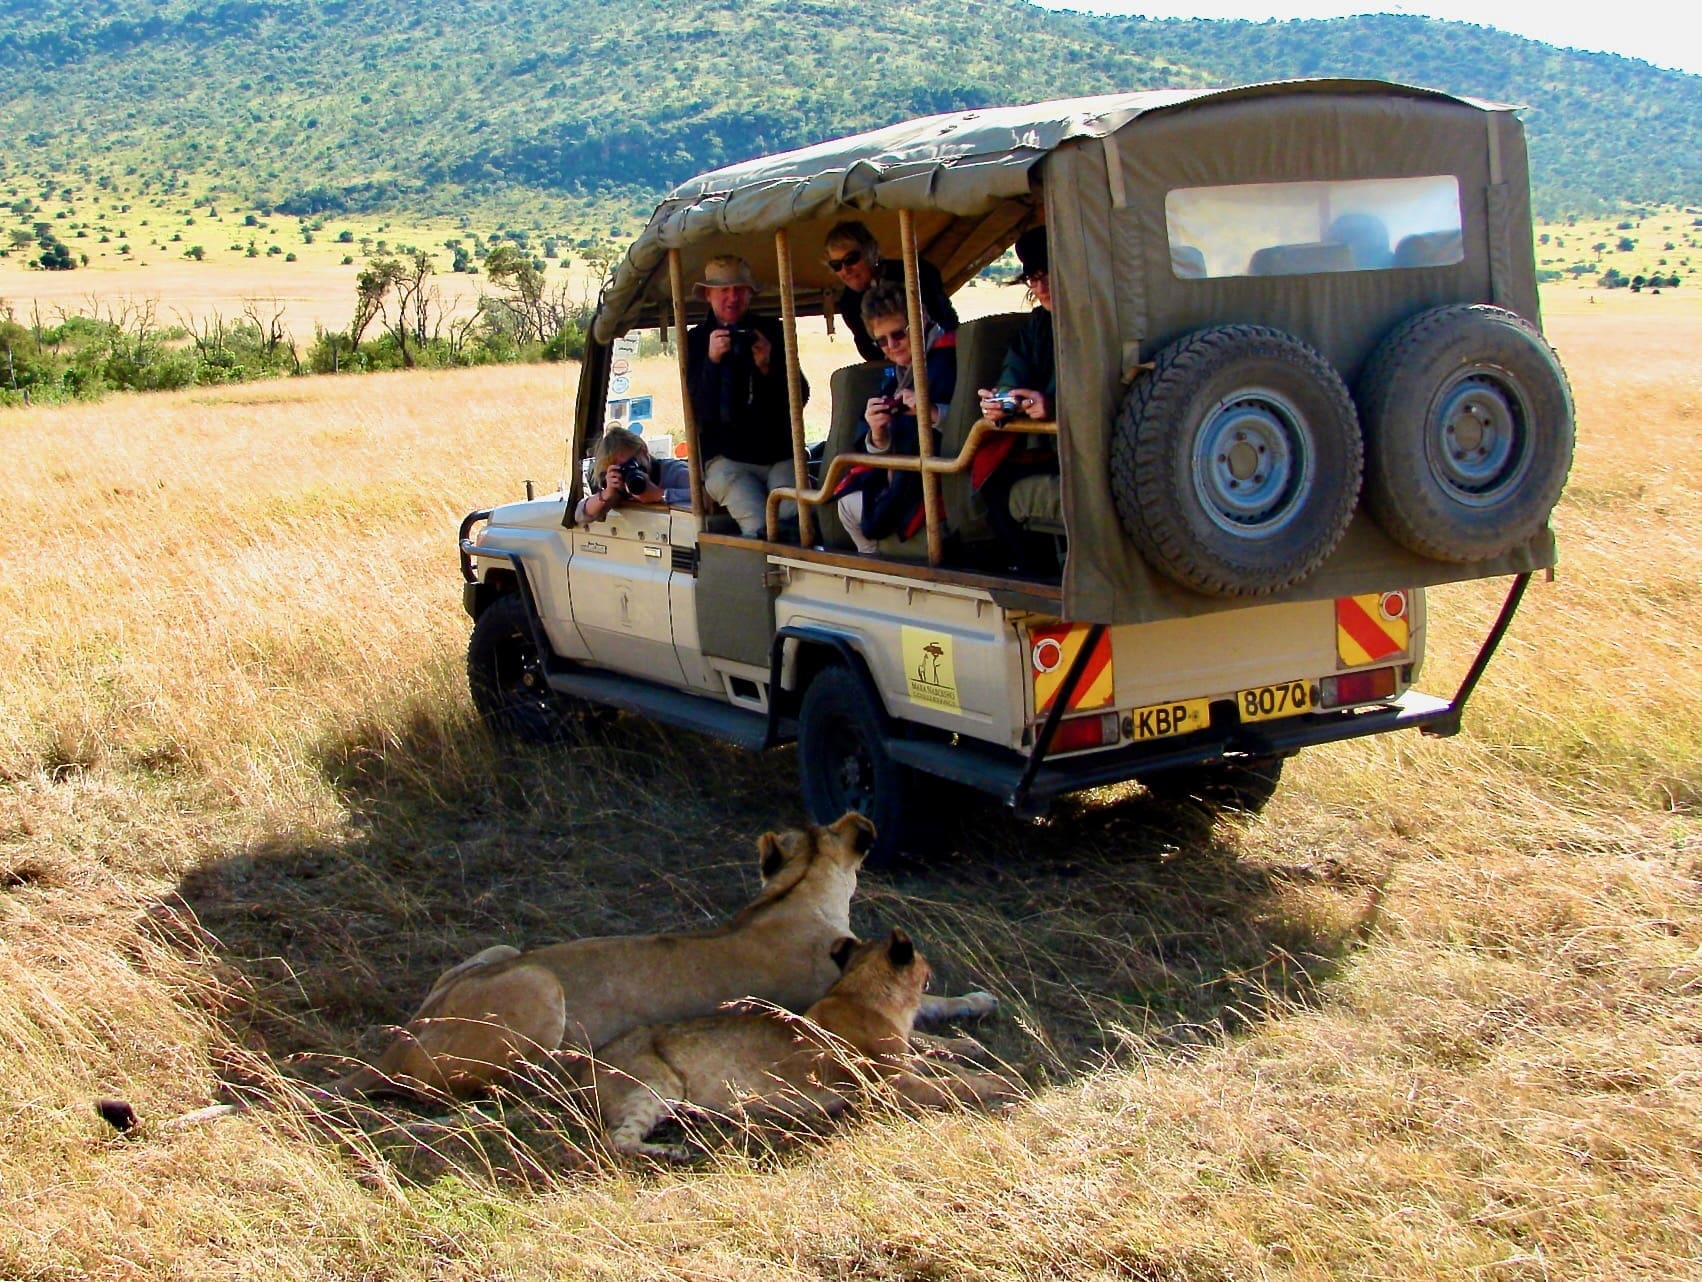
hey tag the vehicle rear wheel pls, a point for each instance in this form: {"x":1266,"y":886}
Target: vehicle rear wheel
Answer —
{"x":1236,"y":461}
{"x":1218,"y":785}
{"x":843,"y":763}
{"x":505,"y":674}
{"x":1468,"y":432}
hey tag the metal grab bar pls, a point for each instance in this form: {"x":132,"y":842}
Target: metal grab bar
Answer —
{"x":931,"y":464}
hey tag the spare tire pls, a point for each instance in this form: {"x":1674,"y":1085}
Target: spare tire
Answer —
{"x":1468,"y":432}
{"x":1235,"y":462}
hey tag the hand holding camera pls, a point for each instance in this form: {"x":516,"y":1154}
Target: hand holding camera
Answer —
{"x":634,"y":477}
{"x":878,"y":415}
{"x":998,"y":406}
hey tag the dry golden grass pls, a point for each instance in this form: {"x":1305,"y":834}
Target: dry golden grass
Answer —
{"x":1437,"y":1014}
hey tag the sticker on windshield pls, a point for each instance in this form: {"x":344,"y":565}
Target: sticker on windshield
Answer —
{"x":928,"y":670}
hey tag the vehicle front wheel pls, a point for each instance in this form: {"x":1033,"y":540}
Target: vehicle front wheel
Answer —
{"x":843,"y":762}
{"x":505,"y":674}
{"x":1218,"y":785}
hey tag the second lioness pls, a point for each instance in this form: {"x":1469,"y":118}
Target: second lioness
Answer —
{"x":504,"y":1007}
{"x":773,"y":1067}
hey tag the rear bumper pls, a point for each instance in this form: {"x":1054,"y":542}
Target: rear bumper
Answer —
{"x":1002,"y":773}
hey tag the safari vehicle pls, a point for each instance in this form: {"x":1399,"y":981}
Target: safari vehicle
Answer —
{"x":1244,"y":542}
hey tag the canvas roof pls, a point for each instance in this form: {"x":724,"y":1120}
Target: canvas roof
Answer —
{"x":962,"y":165}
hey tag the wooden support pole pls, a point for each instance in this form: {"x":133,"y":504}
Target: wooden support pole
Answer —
{"x":694,"y":456}
{"x":794,"y":393}
{"x":931,"y":504}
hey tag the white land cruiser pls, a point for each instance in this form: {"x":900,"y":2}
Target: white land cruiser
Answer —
{"x":1301,"y":378}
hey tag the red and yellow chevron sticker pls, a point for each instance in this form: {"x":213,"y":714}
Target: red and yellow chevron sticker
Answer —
{"x":1372,"y":627}
{"x":1051,"y":653}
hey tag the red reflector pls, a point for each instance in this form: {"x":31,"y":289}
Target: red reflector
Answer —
{"x":1076,"y":733}
{"x":1356,"y":687}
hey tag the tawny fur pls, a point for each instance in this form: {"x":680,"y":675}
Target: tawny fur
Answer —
{"x":503,"y":1007}
{"x":771,"y":1067}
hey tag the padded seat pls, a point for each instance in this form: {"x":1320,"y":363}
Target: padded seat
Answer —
{"x":1430,"y":249}
{"x":850,"y":388}
{"x":1301,"y":259}
{"x":981,"y":347}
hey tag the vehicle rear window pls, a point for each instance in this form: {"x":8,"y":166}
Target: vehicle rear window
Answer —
{"x":1293,"y":229}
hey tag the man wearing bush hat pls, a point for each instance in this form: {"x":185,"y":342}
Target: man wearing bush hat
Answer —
{"x":737,"y":374}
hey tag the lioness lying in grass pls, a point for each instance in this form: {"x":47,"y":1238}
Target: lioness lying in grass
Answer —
{"x":504,"y":1006}
{"x":770,"y":1066}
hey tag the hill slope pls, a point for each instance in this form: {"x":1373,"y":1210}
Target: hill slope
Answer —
{"x":324,"y":105}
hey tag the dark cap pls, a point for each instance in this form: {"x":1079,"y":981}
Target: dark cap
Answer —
{"x":1031,"y":253}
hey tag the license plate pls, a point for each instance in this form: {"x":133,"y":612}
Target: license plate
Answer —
{"x":1267,"y":703}
{"x":1179,"y":716}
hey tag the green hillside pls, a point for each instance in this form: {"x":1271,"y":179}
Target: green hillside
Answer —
{"x":325,"y":106}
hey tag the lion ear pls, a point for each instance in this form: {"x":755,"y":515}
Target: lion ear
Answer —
{"x":899,"y":950}
{"x":768,"y":846}
{"x":841,"y":951}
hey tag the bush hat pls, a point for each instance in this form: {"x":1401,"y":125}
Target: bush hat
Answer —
{"x":724,"y":270}
{"x":1031,"y":253}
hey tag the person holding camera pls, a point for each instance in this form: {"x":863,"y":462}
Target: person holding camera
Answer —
{"x":1017,"y":476}
{"x":622,"y":471}
{"x":876,"y":501}
{"x":854,"y":255}
{"x":736,"y":371}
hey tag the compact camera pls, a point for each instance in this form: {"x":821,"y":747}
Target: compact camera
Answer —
{"x":635,"y":477}
{"x":1008,"y":405}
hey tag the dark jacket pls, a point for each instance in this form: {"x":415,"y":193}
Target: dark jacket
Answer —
{"x":1030,"y":360}
{"x":892,"y":501}
{"x":741,"y":413}
{"x":934,"y":301}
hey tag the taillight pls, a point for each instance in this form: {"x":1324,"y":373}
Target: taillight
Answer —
{"x":1356,"y":687}
{"x":1075,"y":733}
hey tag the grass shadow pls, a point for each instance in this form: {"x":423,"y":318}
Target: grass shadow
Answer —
{"x":1118,"y":928}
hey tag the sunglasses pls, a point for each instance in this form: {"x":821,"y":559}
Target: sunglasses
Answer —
{"x":884,"y":341}
{"x":851,"y":259}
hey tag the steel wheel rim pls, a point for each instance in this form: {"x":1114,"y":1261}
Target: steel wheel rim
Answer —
{"x":851,"y":772}
{"x":1478,"y":441}
{"x":1253,"y":463}
{"x":519,"y":677}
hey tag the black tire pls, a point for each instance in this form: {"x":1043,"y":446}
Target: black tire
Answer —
{"x":843,"y":763}
{"x":1236,"y":461}
{"x":1468,"y":432}
{"x":505,"y":674}
{"x":1219,"y":785}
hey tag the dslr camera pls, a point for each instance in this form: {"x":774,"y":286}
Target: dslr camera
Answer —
{"x":635,"y":477}
{"x":740,"y":336}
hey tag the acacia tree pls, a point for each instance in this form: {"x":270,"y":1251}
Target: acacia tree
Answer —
{"x":398,"y":293}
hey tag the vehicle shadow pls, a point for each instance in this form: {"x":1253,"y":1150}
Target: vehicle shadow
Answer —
{"x":1118,"y":929}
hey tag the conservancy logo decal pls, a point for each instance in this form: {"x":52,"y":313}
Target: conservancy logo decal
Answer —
{"x":928,"y":668}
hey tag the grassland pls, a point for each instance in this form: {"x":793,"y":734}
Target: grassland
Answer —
{"x":138,"y":253}
{"x":1436,"y":1014}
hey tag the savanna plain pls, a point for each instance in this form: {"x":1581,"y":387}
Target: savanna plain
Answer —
{"x":1437,"y":1013}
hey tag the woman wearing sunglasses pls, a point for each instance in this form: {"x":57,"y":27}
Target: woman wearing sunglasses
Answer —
{"x":874,"y":501}
{"x":854,"y":256}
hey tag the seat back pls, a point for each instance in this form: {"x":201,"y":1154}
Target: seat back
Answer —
{"x":1187,"y":262}
{"x":1430,"y":249}
{"x":850,"y":388}
{"x":1301,"y":259}
{"x":981,"y":347}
